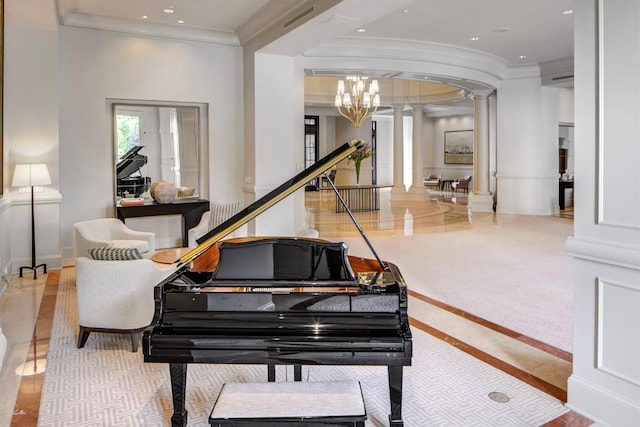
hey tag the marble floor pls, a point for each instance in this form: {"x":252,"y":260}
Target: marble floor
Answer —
{"x":26,"y":308}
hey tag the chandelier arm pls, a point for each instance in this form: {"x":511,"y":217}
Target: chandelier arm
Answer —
{"x":344,"y":115}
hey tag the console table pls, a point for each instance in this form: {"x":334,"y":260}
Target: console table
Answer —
{"x":563,"y":185}
{"x":359,"y":198}
{"x":191,"y":211}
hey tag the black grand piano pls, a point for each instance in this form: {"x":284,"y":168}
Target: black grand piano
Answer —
{"x":129,"y":179}
{"x":280,"y":301}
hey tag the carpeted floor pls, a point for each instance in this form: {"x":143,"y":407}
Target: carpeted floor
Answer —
{"x":515,"y":273}
{"x":105,"y":384}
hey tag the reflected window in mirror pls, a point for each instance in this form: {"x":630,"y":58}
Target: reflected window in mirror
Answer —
{"x":158,"y":142}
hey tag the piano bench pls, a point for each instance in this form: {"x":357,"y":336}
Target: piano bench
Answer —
{"x":280,"y":404}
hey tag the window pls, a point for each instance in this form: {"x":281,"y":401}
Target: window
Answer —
{"x":311,"y":146}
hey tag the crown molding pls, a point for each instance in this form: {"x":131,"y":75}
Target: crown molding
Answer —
{"x":80,"y":20}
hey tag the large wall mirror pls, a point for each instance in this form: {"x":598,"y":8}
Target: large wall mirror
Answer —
{"x":158,"y":142}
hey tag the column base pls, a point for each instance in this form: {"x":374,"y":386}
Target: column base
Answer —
{"x":398,"y":191}
{"x":416,"y":192}
{"x":481,"y":202}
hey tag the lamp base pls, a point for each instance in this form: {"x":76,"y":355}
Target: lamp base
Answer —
{"x":35,"y":270}
{"x":32,"y":368}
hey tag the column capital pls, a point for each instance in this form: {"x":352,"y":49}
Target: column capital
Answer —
{"x":481,"y":93}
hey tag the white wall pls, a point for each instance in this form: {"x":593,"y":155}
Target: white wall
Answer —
{"x":605,"y":383}
{"x":434,"y":156}
{"x":31,"y":129}
{"x":97,"y":65}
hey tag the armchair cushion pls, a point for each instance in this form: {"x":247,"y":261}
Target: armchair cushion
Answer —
{"x":115,"y":254}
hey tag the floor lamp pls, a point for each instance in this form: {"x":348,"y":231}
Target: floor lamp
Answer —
{"x":32,"y":175}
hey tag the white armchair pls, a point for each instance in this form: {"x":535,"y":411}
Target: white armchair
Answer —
{"x":110,"y":232}
{"x":432,"y":180}
{"x":219,"y":213}
{"x":116,"y":296}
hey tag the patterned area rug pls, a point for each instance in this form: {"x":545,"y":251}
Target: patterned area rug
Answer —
{"x":105,"y":384}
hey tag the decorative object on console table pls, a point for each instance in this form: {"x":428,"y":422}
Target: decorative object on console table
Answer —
{"x":163,"y":191}
{"x":32,"y":175}
{"x":364,"y":152}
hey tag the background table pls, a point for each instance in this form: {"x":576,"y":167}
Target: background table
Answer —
{"x":563,"y":185}
{"x":191,"y":211}
{"x":359,"y":198}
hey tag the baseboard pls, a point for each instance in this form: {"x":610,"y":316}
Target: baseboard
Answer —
{"x":600,"y":405}
{"x":54,"y":262}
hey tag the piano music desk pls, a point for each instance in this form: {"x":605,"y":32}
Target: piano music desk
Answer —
{"x":319,"y":403}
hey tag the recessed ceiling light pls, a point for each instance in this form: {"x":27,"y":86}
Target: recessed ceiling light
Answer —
{"x":361,"y":30}
{"x":405,"y":10}
{"x":567,"y":12}
{"x":522,"y":56}
{"x":502,"y":29}
{"x":180,"y":21}
{"x":168,"y":10}
{"x":144,"y":17}
{"x":475,"y":38}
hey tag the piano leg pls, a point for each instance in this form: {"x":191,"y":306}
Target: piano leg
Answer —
{"x":297,"y":372}
{"x":271,"y":372}
{"x":395,"y":395}
{"x":178,"y":373}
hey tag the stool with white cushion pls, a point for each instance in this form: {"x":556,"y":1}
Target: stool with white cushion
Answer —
{"x":322,"y":403}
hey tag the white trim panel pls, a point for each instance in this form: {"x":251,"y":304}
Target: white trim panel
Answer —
{"x":618,"y":314}
{"x":618,"y":111}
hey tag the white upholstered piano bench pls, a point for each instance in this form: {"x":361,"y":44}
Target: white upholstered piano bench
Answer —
{"x":278,"y":404}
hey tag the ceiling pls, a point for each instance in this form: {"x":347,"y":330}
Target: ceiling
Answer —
{"x":519,"y":32}
{"x":509,"y":29}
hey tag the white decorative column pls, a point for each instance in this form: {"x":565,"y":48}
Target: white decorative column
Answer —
{"x":417,"y":187}
{"x":398,"y":152}
{"x":481,"y":199}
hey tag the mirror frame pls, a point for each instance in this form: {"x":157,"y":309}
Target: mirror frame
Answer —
{"x":203,"y":143}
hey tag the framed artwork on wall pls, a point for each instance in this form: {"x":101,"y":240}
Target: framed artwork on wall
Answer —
{"x":458,"y":147}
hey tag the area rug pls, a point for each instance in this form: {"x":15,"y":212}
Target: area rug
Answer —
{"x":515,"y":273}
{"x":105,"y":384}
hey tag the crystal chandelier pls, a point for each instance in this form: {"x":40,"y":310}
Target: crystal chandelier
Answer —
{"x":356,"y":103}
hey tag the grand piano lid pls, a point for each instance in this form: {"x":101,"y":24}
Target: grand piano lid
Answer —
{"x":270,"y":199}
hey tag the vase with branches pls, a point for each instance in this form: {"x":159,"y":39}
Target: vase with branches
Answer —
{"x":364,"y":152}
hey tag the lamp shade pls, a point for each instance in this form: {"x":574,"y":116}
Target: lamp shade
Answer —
{"x":31,"y":175}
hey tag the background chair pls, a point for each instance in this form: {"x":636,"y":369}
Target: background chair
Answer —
{"x":463,"y":183}
{"x":432,"y":180}
{"x":219,"y":213}
{"x":116,"y":296}
{"x":110,"y":232}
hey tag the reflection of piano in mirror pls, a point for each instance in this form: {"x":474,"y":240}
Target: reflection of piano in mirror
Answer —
{"x":280,"y":301}
{"x":129,"y":179}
